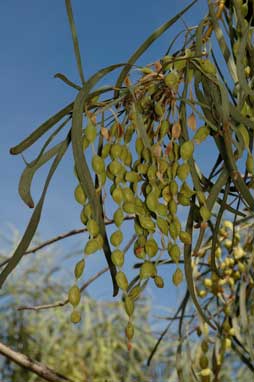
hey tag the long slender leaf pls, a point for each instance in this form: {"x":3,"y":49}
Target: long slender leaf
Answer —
{"x":34,"y":221}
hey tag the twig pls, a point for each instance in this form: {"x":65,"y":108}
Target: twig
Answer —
{"x":58,"y":238}
{"x":38,"y":368}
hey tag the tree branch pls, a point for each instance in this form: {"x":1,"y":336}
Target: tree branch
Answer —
{"x":38,"y":368}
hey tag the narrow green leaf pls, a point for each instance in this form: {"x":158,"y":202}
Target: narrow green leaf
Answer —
{"x":34,"y":221}
{"x":42,"y":129}
{"x":153,"y":37}
{"x":75,"y":40}
{"x":67,"y":81}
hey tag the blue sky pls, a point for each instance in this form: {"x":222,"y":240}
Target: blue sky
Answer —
{"x":36,"y":45}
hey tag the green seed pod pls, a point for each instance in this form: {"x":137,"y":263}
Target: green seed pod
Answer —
{"x":177,"y":277}
{"x":122,"y":281}
{"x":75,"y":317}
{"x":128,"y":133}
{"x":158,"y":108}
{"x":93,"y":227}
{"x":183,"y":200}
{"x":151,"y":173}
{"x":162,"y":210}
{"x":142,"y":168}
{"x":83,"y":217}
{"x":128,"y":159}
{"x":100,"y":241}
{"x":134,"y":292}
{"x":162,"y":225}
{"x":179,"y":64}
{"x":117,"y":257}
{"x":245,"y":135}
{"x":91,"y":247}
{"x":132,"y":177}
{"x":115,"y":167}
{"x":159,"y":282}
{"x":185,"y":237}
{"x":162,"y":165}
{"x":172,"y":206}
{"x":147,"y":270}
{"x":138,"y":229}
{"x":172,"y":80}
{"x":250,"y":164}
{"x":74,"y":295}
{"x":201,"y":134}
{"x":173,"y":186}
{"x":87,"y":210}
{"x":164,"y":128}
{"x":129,"y":207}
{"x":147,"y":223}
{"x":201,"y":197}
{"x":186,"y":150}
{"x":85,"y":143}
{"x":204,"y":346}
{"x":166,"y":194}
{"x":152,"y":201}
{"x":115,"y":151}
{"x":117,"y":195}
{"x":105,"y":150}
{"x":174,"y":252}
{"x":129,"y":306}
{"x":139,"y":145}
{"x":129,"y":331}
{"x":183,"y":171}
{"x":98,"y":164}
{"x":116,"y":238}
{"x":208,"y":67}
{"x":80,"y":195}
{"x":174,"y":230}
{"x":118,"y":217}
{"x":90,"y":132}
{"x":174,"y":169}
{"x":128,"y":195}
{"x":205,"y":213}
{"x":79,"y":268}
{"x":186,"y":190}
{"x":151,"y":247}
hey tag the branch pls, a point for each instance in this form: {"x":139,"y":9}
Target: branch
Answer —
{"x":58,"y":238}
{"x":38,"y":368}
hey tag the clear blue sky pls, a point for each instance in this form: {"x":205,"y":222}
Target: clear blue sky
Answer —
{"x":36,"y":44}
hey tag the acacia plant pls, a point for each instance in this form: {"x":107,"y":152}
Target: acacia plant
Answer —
{"x":136,"y":148}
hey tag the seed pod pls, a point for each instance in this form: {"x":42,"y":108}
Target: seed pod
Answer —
{"x":208,"y":67}
{"x":85,"y":143}
{"x":158,"y":109}
{"x":186,"y":150}
{"x":90,"y":131}
{"x":122,"y":281}
{"x":164,"y":128}
{"x":115,"y":151}
{"x":250,"y":164}
{"x":205,"y":213}
{"x":159,"y":282}
{"x":173,"y":186}
{"x":129,"y":331}
{"x":118,"y":217}
{"x":134,"y":292}
{"x":162,"y":225}
{"x":152,"y":201}
{"x":201,"y":134}
{"x":91,"y":247}
{"x":128,"y":195}
{"x":186,"y":190}
{"x":245,"y":135}
{"x":88,"y":211}
{"x":139,"y":145}
{"x":201,"y":197}
{"x":132,"y":177}
{"x":116,"y":238}
{"x":117,"y":195}
{"x":80,"y":195}
{"x":99,"y":240}
{"x":142,"y":168}
{"x":174,"y":168}
{"x":74,"y":295}
{"x":172,"y":206}
{"x":105,"y":150}
{"x":166,"y":194}
{"x":83,"y":217}
{"x":174,"y":252}
{"x":93,"y":227}
{"x":183,"y":200}
{"x":177,"y":277}
{"x":185,"y":237}
{"x":79,"y":268}
{"x":162,"y":210}
{"x":138,"y":229}
{"x":208,"y":282}
{"x":75,"y":317}
{"x":174,"y":230}
{"x":203,"y":361}
{"x":192,"y":122}
{"x":205,"y":372}
{"x":115,"y":167}
{"x":98,"y":164}
{"x":183,"y":171}
{"x":147,"y":270}
{"x":176,"y":130}
{"x":128,"y":133}
{"x":129,"y":306}
{"x":129,"y":207}
{"x":147,"y":223}
{"x":171,"y":80}
{"x":117,"y":257}
{"x":151,"y":247}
